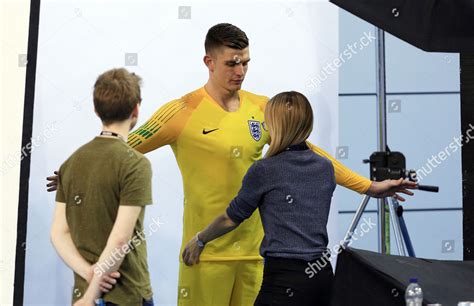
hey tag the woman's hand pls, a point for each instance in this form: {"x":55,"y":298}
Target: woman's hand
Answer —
{"x":220,"y":226}
{"x":192,"y":252}
{"x":391,"y":188}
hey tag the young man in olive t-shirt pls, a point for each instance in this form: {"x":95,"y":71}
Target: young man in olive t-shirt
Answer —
{"x":100,"y":203}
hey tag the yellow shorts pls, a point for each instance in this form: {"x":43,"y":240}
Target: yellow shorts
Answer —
{"x":220,"y":283}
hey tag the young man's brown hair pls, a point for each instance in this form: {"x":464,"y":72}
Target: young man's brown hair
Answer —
{"x":116,"y":93}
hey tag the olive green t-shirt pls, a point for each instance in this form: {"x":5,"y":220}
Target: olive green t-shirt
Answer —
{"x":93,"y":182}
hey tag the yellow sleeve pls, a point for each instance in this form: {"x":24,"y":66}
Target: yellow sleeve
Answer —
{"x":161,"y":129}
{"x":344,"y":176}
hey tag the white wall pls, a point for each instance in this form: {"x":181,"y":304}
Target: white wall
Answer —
{"x":14,"y":18}
{"x":289,"y":44}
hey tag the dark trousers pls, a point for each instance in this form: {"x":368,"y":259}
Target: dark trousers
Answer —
{"x":287,"y":282}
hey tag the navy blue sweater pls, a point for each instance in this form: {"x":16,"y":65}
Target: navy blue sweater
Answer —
{"x":293,"y":192}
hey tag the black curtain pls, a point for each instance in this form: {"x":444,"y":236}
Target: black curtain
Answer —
{"x":431,"y":25}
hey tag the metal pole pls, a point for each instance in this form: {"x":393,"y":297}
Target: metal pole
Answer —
{"x":355,"y":221}
{"x":381,"y":127}
{"x":382,"y":246}
{"x":396,"y":226}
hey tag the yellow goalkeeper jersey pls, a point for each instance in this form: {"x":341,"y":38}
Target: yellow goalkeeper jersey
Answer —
{"x":214,"y":149}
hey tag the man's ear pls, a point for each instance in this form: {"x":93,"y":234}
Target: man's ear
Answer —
{"x":209,"y":62}
{"x":136,"y":110}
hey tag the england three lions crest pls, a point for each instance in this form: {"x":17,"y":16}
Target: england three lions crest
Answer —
{"x":255,"y":129}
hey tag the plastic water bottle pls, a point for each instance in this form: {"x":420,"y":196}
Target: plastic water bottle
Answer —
{"x":414,"y":294}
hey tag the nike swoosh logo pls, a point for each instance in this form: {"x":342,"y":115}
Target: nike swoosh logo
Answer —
{"x":207,"y":132}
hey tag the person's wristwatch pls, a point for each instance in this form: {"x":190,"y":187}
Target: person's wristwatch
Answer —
{"x":199,"y":242}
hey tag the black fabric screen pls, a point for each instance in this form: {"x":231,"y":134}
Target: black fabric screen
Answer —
{"x":432,"y":25}
{"x":366,"y":278}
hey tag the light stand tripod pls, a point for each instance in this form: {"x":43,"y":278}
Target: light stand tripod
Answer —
{"x":386,"y":165}
{"x":389,"y":165}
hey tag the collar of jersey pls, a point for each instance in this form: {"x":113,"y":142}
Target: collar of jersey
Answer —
{"x":211,"y":99}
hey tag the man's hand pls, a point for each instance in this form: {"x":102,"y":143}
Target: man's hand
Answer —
{"x":192,"y":252}
{"x":391,"y":188}
{"x":53,"y":184}
{"x":108,"y":281}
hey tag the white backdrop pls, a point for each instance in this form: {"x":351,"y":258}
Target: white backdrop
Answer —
{"x":290,"y":43}
{"x":14,"y":21}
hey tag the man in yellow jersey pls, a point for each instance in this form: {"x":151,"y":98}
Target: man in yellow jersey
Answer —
{"x":216,"y":133}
